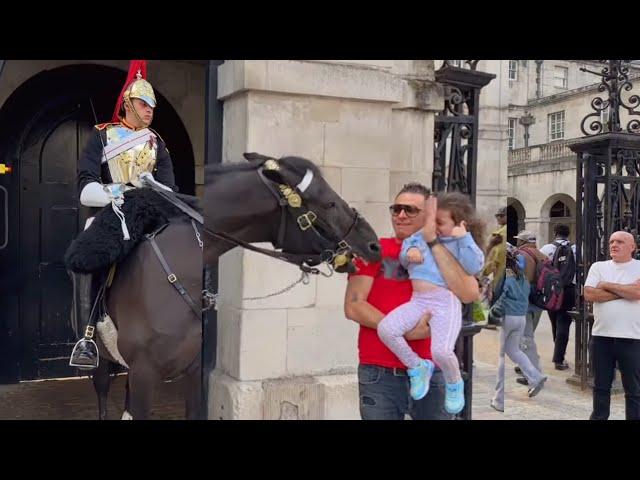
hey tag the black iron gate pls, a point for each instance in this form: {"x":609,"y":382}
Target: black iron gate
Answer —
{"x":607,"y":191}
{"x":454,"y":169}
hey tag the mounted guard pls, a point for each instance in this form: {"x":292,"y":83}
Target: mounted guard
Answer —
{"x":118,"y":157}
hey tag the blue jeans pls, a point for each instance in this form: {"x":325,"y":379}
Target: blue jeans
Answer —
{"x":384,"y":395}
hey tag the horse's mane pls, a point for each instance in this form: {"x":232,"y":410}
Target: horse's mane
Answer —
{"x":211,"y":171}
{"x":298,"y":164}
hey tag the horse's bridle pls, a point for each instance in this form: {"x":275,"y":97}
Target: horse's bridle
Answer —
{"x":290,"y":201}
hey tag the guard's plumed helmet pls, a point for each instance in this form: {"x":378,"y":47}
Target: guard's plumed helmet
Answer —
{"x":136,"y":86}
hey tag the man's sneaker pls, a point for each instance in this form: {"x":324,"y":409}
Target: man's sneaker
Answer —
{"x":533,"y":391}
{"x":420,"y":377}
{"x":522,"y":381}
{"x":497,"y":407}
{"x":454,"y":397}
{"x":562,"y":366}
{"x":518,"y":370}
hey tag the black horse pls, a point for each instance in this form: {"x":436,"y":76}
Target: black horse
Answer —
{"x":286,"y":202}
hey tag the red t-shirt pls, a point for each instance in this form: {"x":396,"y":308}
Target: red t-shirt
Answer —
{"x":391,"y":288}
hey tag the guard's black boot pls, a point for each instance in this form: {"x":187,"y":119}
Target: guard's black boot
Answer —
{"x":85,"y":352}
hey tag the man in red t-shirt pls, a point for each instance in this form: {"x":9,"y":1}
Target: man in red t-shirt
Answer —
{"x":376,"y":289}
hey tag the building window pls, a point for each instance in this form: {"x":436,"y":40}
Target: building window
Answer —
{"x":561,"y":77}
{"x":513,"y":70}
{"x":511,"y":133}
{"x":556,"y":126}
{"x":455,"y":63}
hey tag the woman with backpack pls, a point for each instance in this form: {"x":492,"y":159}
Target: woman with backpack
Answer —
{"x":512,"y":305}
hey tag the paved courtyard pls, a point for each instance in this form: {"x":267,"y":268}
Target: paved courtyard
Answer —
{"x":75,"y":399}
{"x":557,"y":401}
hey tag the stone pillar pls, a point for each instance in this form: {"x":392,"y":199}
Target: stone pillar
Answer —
{"x":369,"y":126}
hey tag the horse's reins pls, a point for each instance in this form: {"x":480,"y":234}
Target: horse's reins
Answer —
{"x":288,"y":199}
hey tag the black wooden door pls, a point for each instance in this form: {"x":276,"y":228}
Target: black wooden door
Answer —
{"x":49,"y":220}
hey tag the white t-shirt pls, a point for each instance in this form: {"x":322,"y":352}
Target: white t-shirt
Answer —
{"x":618,"y":318}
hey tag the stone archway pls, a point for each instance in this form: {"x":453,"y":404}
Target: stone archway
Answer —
{"x":559,"y":208}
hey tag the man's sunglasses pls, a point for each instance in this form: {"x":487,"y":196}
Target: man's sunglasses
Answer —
{"x":409,"y":210}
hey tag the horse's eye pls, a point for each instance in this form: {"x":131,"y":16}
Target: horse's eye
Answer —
{"x":330,"y":205}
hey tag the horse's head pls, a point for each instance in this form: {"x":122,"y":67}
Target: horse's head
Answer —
{"x":318,"y":219}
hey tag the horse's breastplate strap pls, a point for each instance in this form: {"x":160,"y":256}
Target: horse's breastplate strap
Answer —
{"x":131,"y":153}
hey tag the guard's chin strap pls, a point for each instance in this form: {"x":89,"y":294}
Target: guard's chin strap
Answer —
{"x":128,"y":101}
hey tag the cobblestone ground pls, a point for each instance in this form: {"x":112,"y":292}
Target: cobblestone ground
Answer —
{"x":557,"y":401}
{"x":75,"y":399}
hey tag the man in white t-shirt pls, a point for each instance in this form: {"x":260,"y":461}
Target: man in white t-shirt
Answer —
{"x":613,"y":286}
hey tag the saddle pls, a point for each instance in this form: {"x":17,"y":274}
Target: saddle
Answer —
{"x":102,"y":244}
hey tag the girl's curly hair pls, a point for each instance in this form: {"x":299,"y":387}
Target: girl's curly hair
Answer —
{"x":460,"y":207}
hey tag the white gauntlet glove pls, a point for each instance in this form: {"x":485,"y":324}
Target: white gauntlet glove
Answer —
{"x":95,"y":194}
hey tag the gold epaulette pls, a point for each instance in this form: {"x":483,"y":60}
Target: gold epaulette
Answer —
{"x":102,"y":126}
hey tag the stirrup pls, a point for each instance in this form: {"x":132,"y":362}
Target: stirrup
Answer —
{"x":88,"y":341}
{"x":80,"y":365}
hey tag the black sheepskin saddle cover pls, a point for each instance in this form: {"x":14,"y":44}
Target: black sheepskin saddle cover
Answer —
{"x":102,"y":244}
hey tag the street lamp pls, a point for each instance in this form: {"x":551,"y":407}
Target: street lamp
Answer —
{"x":526,"y":121}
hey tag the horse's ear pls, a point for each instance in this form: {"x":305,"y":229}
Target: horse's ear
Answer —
{"x":255,"y":156}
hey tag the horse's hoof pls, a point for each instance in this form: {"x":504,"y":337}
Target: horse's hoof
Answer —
{"x":126,"y":416}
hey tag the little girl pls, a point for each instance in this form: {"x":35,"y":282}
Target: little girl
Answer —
{"x":512,"y":305}
{"x":430,"y":293}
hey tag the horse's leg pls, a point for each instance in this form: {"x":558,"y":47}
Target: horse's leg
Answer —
{"x":101,"y":382}
{"x":127,"y":402}
{"x":193,"y":390}
{"x":143,"y":378}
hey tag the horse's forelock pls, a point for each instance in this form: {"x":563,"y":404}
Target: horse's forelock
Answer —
{"x":301,"y":165}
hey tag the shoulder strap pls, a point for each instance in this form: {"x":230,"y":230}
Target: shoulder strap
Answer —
{"x":526,"y":250}
{"x":165,"y":143}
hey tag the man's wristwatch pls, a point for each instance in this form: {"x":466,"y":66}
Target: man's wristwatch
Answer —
{"x":433,"y":242}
